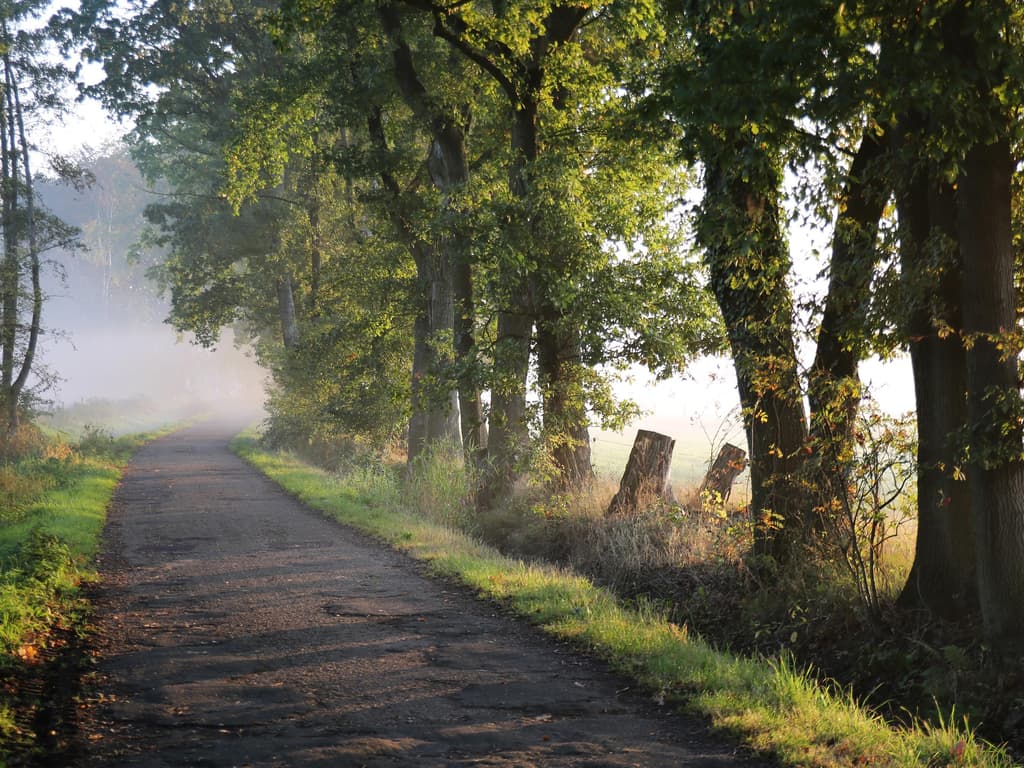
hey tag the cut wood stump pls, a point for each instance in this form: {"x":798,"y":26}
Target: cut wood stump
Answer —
{"x":722,"y":474}
{"x":646,"y":471}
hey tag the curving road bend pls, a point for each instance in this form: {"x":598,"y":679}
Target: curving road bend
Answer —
{"x":238,"y":628}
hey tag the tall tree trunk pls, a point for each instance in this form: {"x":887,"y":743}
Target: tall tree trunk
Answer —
{"x":993,"y":395}
{"x":18,"y":220}
{"x":740,"y":230}
{"x":521,"y":78}
{"x":418,"y":427}
{"x":942,"y":576}
{"x":566,"y":428}
{"x":11,"y":287}
{"x":471,"y":407}
{"x":449,"y":171}
{"x":315,"y":253}
{"x":834,"y":389}
{"x":31,"y":242}
{"x":509,"y":432}
{"x":286,"y":311}
{"x":435,"y":405}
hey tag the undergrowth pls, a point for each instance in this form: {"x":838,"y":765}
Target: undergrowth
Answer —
{"x":55,"y":500}
{"x":774,"y":704}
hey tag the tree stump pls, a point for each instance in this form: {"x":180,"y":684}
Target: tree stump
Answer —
{"x":646,"y":471}
{"x":720,"y":477}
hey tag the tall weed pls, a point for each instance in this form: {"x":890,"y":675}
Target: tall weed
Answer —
{"x":441,"y":487}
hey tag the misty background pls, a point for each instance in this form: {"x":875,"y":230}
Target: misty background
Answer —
{"x":105,"y":336}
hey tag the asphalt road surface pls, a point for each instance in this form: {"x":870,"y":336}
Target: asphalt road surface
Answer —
{"x":238,"y":628}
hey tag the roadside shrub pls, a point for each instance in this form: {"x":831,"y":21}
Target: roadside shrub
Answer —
{"x":873,"y":504}
{"x":28,"y":441}
{"x":441,"y":487}
{"x":96,"y":441}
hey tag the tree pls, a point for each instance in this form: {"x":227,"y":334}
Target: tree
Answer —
{"x":979,"y":40}
{"x":562,"y":71}
{"x":548,"y":239}
{"x":31,"y":86}
{"x":448,"y":168}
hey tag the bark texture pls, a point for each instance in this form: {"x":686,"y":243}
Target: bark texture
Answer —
{"x":20,"y":253}
{"x":286,"y":312}
{"x":746,"y":254}
{"x":993,"y":396}
{"x":723,"y":471}
{"x":435,"y":404}
{"x":448,"y":167}
{"x":834,"y":389}
{"x":521,"y":76}
{"x":646,"y":473}
{"x":942,"y":578}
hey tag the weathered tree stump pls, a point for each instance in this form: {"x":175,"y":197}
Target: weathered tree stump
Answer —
{"x":720,"y":477}
{"x":646,"y":471}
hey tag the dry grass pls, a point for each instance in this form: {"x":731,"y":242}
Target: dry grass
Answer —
{"x":651,"y":549}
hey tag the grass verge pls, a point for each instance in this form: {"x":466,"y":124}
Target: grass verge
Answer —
{"x":770,"y":705}
{"x":47,"y":554}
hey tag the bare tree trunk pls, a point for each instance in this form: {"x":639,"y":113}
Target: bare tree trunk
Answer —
{"x":435,"y":404}
{"x":509,"y":433}
{"x":449,"y":172}
{"x":740,"y":230}
{"x":566,"y":428}
{"x":33,"y":254}
{"x":315,"y":254}
{"x":471,"y":408}
{"x":12,"y":265}
{"x":435,"y":417}
{"x":993,"y":395}
{"x":833,"y":382}
{"x":942,"y":578}
{"x":286,"y":312}
{"x":418,"y":429}
{"x":523,"y":88}
{"x":19,"y":243}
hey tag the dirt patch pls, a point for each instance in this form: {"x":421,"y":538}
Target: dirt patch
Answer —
{"x":237,"y":628}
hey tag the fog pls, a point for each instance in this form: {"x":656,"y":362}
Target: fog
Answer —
{"x":700,"y":410}
{"x":150,"y":361}
{"x":106,"y":340}
{"x":104,"y":336}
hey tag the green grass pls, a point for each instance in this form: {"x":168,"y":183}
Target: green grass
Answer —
{"x":768,"y":704}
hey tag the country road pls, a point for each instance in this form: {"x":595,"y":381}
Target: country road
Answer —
{"x":238,"y":628}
